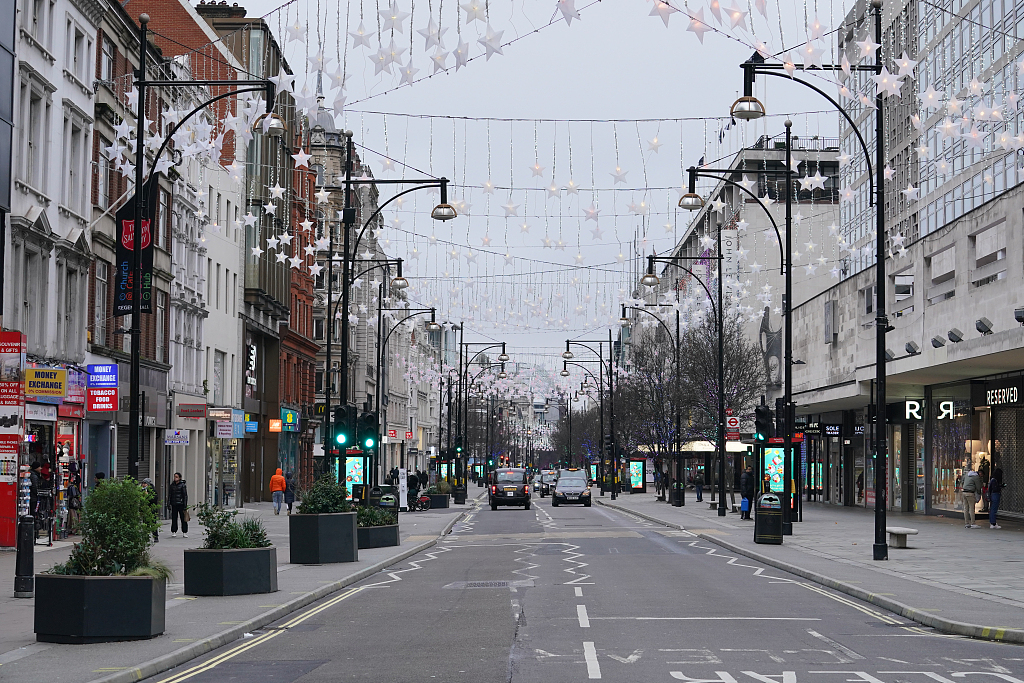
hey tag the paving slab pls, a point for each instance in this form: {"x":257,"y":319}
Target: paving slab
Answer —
{"x":964,"y":581}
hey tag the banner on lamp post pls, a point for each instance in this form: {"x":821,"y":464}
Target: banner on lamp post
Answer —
{"x":124,"y":219}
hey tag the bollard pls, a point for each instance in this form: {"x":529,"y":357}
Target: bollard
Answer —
{"x":24,"y":569}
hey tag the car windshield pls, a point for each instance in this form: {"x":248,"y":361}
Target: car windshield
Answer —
{"x":549,"y":478}
{"x":510,"y":477}
{"x":572,"y":482}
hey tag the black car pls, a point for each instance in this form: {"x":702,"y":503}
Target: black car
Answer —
{"x":509,"y":487}
{"x":548,"y":479}
{"x":572,"y":488}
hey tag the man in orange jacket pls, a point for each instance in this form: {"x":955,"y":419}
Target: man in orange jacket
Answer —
{"x":277,"y":487}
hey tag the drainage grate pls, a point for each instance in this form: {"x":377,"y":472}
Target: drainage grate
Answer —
{"x":487,"y":584}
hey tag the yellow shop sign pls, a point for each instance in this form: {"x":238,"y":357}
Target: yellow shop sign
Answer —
{"x":45,"y":382}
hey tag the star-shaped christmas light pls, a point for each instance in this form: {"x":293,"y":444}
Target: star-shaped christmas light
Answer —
{"x":302,"y":158}
{"x":697,"y":26}
{"x":663,"y":10}
{"x":491,"y":42}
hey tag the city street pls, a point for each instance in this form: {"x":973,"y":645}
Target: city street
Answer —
{"x":569,"y":594}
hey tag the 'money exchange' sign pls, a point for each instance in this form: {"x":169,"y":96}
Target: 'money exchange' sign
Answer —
{"x":45,"y":382}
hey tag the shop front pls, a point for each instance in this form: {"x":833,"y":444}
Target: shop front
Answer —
{"x":289,"y":441}
{"x":260,"y":392}
{"x":225,"y":430}
{"x":185,"y":449}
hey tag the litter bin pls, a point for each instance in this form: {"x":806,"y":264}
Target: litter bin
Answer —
{"x":768,"y":519}
{"x":459,"y":495}
{"x":373,"y":499}
{"x":359,"y":494}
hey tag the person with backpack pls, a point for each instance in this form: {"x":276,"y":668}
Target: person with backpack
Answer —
{"x":971,"y":491}
{"x":995,"y":493}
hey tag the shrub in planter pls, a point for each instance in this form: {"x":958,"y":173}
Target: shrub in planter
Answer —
{"x":378,"y":528}
{"x":109,"y":588}
{"x":439,"y":494}
{"x":236,"y":558}
{"x":324,"y":528}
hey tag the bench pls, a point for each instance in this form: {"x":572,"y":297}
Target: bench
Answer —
{"x":898,"y":535}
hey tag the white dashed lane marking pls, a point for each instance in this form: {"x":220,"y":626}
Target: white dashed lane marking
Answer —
{"x":581,"y":614}
{"x":590,"y":654}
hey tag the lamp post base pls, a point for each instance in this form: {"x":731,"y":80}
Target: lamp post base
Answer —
{"x":880,"y":551}
{"x":721,"y":511}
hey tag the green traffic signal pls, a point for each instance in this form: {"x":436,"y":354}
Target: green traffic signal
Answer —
{"x":341,"y":438}
{"x":369,"y":442}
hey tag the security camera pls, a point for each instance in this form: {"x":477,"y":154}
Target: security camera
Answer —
{"x":955,"y":336}
{"x":938,"y":341}
{"x":912,"y":348}
{"x":1018,"y":315}
{"x":983,"y":325}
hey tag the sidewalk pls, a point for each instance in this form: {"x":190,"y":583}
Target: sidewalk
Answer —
{"x":194,"y":626}
{"x":964,"y":581}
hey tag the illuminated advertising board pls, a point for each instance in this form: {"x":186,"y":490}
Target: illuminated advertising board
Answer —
{"x":774,"y":469}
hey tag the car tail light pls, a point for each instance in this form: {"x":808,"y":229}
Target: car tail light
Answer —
{"x":526,"y":489}
{"x":494,"y":489}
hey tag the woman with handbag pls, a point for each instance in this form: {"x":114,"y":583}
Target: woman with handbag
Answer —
{"x":177,"y":496}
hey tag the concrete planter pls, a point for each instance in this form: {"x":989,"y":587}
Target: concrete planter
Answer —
{"x":438,"y":500}
{"x":237,"y":571}
{"x":323,"y":539}
{"x":378,"y":536}
{"x":98,"y":609}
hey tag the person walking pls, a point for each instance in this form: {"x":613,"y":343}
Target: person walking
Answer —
{"x":289,"y":491}
{"x":971,"y":490}
{"x":747,"y":492}
{"x":177,"y":496}
{"x":278,"y":484}
{"x":995,"y":493}
{"x":150,"y":493}
{"x":698,"y":486}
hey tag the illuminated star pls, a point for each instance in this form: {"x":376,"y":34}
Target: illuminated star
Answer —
{"x":663,"y":10}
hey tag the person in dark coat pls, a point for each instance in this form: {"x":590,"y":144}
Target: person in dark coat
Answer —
{"x":698,"y":486}
{"x":150,"y":493}
{"x":177,"y":496}
{"x":747,"y":491}
{"x":289,"y":491}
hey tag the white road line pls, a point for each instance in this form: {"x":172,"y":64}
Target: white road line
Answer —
{"x":590,"y":654}
{"x":704,"y":618}
{"x":581,"y":614}
{"x":579,"y":592}
{"x":837,"y":645}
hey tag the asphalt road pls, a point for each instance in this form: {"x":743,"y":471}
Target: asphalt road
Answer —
{"x":575,"y":594}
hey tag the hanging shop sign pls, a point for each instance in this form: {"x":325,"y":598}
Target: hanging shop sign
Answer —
{"x":46,"y":382}
{"x":289,"y":420}
{"x":408,"y":436}
{"x":102,"y":376}
{"x":176,"y":437}
{"x":274,"y":425}
{"x":75,"y":387}
{"x":124,"y":219}
{"x":218,"y":413}
{"x":101,"y":399}
{"x":195,"y":411}
{"x":224,"y":429}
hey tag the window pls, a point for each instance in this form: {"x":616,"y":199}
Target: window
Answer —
{"x":35,"y":132}
{"x":161,"y":327}
{"x":163,"y":219}
{"x":100,"y":304}
{"x":218,"y":378}
{"x":74,"y":155}
{"x":102,"y":181}
{"x":318,"y":328}
{"x":904,"y":287}
{"x":869,"y":298}
{"x":107,"y":59}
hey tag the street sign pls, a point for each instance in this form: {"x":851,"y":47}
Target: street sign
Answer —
{"x":732,"y":436}
{"x":728,"y":411}
{"x":732,"y":423}
{"x":408,"y":436}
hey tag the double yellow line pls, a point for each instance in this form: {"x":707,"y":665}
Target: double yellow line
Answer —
{"x":250,"y":644}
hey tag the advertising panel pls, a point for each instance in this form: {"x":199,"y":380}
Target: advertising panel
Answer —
{"x":636,"y":475}
{"x":102,"y":376}
{"x":12,"y":429}
{"x":289,"y":420}
{"x":176,"y":437}
{"x":124,"y":219}
{"x":101,"y":399}
{"x":774,"y":469}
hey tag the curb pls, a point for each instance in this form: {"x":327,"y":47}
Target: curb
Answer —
{"x":992,"y":633}
{"x":201,"y":647}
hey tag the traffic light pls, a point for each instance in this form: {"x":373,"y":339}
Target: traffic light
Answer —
{"x":367,"y":431}
{"x":458,"y":449}
{"x":343,"y":432}
{"x":764,"y":427}
{"x":780,"y":417}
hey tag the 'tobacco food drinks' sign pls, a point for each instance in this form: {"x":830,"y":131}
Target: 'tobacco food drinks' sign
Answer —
{"x":102,"y":399}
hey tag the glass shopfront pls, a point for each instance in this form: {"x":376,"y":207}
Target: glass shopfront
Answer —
{"x":952,"y":447}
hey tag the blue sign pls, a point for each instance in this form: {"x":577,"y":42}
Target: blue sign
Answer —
{"x":251,"y":426}
{"x":238,"y":424}
{"x":102,"y":376}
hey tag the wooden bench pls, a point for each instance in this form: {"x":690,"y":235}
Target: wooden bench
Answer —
{"x":898,"y":535}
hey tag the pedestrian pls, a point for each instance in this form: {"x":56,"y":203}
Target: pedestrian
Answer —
{"x":34,"y":480}
{"x":289,"y":491}
{"x":277,"y":486}
{"x":98,"y":478}
{"x":150,"y":493}
{"x":995,"y":493}
{"x":747,"y":492}
{"x":698,"y":486}
{"x":971,"y":490}
{"x":177,"y":496}
{"x":412,"y":482}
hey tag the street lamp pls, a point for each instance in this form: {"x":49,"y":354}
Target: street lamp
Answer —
{"x":721,"y":350}
{"x":269,"y":124}
{"x":609,"y":440}
{"x":275,"y":127}
{"x":757,"y":65}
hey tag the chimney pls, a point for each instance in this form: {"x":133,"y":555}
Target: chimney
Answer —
{"x":219,"y":10}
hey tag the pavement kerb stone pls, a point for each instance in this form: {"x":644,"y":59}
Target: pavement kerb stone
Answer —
{"x":201,"y":647}
{"x":995,"y":633}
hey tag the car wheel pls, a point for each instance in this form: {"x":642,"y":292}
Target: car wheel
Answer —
{"x":586,"y":504}
{"x":527,"y":506}
{"x":494,"y":506}
{"x":554,"y":503}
